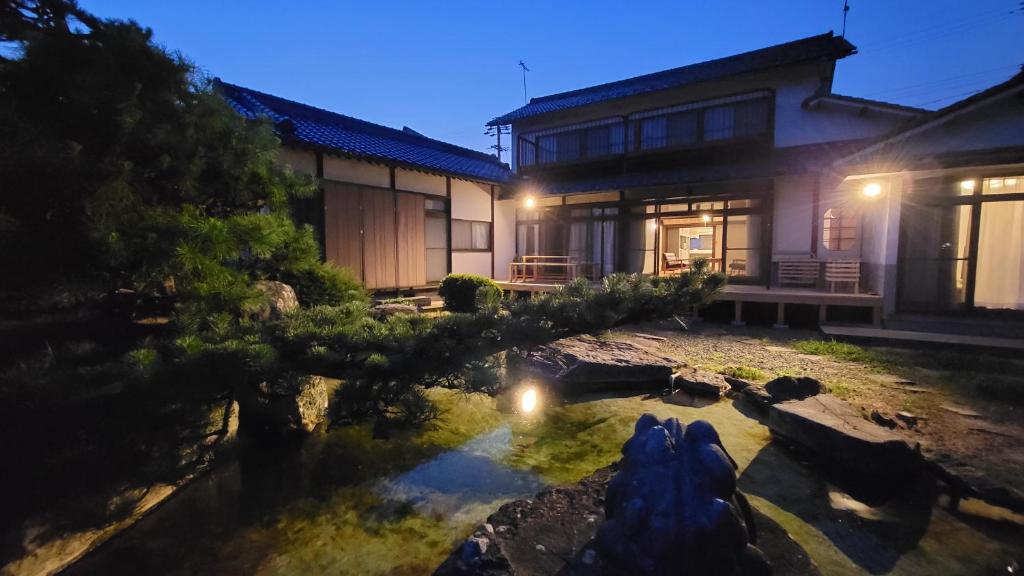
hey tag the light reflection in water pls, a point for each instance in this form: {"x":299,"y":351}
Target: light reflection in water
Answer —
{"x":528,"y":400}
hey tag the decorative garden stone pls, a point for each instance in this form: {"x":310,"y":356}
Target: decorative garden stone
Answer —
{"x":836,"y":434}
{"x":291,"y":403}
{"x":701,"y":383}
{"x":789,"y":388}
{"x":587,"y":364}
{"x":280,"y":300}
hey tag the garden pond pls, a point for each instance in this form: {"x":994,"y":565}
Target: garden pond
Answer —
{"x":345,"y":502}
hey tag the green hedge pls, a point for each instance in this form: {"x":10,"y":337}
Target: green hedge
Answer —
{"x":459,"y":291}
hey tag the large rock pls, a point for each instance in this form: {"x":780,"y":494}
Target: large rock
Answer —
{"x":701,"y":383}
{"x":292,"y":403}
{"x":388,"y":309}
{"x":279,"y":299}
{"x":833,"y":432}
{"x":554,"y":533}
{"x":786,"y":388}
{"x":585,"y":364}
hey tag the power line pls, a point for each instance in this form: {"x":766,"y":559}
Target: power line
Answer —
{"x":957,"y":96}
{"x":944,"y":82}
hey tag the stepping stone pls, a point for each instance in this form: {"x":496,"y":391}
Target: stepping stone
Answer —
{"x":961,"y":410}
{"x":700,"y":383}
{"x":834,"y":432}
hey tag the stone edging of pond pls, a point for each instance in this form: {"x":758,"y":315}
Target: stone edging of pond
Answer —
{"x":55,"y":555}
{"x":554,"y":531}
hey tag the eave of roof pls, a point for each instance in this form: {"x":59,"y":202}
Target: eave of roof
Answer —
{"x":857,"y":102}
{"x":812,"y":48}
{"x":310,"y":127}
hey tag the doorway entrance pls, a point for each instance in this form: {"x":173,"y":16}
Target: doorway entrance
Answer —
{"x":962,"y":246}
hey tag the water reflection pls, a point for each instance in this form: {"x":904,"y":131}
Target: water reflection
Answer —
{"x":454,"y":483}
{"x":528,"y":400}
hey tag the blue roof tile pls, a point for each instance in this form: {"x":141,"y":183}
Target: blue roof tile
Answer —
{"x":301,"y":124}
{"x":815,"y":47}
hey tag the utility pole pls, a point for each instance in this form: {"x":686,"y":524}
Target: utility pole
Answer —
{"x":525,"y":70}
{"x":498,"y":131}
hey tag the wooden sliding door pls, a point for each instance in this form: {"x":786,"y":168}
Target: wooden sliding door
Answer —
{"x":343,"y":225}
{"x":378,"y":233}
{"x":380,"y":262}
{"x":411,"y":248}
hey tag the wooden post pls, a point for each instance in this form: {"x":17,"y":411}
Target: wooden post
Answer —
{"x":876,"y":316}
{"x":738,"y":320}
{"x":780,"y":320}
{"x":822,"y":314}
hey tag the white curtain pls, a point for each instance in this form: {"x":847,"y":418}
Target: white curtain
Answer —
{"x":1000,"y":282}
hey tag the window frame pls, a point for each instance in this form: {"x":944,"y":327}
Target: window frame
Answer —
{"x":846,"y":227}
{"x":472,"y":224}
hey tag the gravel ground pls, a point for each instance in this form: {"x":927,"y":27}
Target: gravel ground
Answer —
{"x":955,"y":420}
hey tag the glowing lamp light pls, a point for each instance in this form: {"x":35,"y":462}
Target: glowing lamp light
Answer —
{"x":530,"y":202}
{"x":967,"y":185}
{"x":872,"y":190}
{"x":706,"y":218}
{"x":528,"y":401}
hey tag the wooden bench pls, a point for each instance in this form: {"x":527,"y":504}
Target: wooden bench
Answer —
{"x":798,"y":272}
{"x":842,"y":272}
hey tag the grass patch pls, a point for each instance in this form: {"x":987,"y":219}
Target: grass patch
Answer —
{"x":843,"y":351}
{"x":839,"y":389}
{"x":744,"y":373}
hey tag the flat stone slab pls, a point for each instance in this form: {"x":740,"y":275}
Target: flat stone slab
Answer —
{"x":553,"y":534}
{"x":701,"y":383}
{"x":967,"y":481}
{"x":587,"y":364}
{"x":835,"y":433}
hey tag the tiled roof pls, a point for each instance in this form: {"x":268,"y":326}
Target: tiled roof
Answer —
{"x":890,"y":148}
{"x":779,"y":162}
{"x":305,"y":125}
{"x":813,"y":48}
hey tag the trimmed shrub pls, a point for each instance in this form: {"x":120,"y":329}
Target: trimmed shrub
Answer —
{"x":325,"y":285}
{"x":459,"y":291}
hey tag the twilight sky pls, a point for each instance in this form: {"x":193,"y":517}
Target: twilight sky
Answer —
{"x":446,"y":68}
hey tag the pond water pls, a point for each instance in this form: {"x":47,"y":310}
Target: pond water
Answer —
{"x":342,"y":502}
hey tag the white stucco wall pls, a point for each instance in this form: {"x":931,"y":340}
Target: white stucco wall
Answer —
{"x":302,"y":161}
{"x":471,"y":201}
{"x":795,"y":125}
{"x":414,"y":181}
{"x":347,"y":170}
{"x":794,"y":216}
{"x":504,"y":237}
{"x":472,"y":263}
{"x":878,"y":244}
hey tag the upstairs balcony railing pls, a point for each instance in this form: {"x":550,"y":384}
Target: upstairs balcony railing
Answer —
{"x":744,"y":117}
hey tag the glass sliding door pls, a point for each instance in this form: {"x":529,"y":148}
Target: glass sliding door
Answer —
{"x":962,"y":245}
{"x":933,"y":270}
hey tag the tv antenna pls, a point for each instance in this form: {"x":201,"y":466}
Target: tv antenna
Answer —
{"x":846,"y":10}
{"x":525,"y":70}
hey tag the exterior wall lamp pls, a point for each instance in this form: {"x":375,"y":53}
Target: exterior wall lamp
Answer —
{"x":872,"y":190}
{"x":529,"y":202}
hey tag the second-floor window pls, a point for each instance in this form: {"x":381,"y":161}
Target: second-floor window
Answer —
{"x":572,"y":145}
{"x":720,"y":120}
